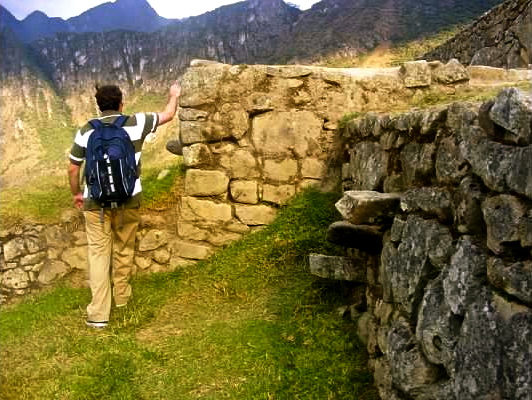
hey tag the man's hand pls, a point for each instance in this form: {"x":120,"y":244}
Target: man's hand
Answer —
{"x":175,"y":89}
{"x":78,"y":200}
{"x":171,"y":107}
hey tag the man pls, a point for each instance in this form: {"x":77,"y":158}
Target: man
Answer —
{"x":111,"y":239}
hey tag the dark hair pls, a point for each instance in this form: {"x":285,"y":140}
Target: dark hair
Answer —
{"x":108,"y":97}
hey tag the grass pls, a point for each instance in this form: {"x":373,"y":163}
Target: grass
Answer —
{"x":160,"y":188}
{"x":44,"y":200}
{"x":249,"y":323}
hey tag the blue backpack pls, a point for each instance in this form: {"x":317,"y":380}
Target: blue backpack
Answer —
{"x":110,"y":169}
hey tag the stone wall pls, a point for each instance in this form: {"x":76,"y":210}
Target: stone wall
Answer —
{"x":36,"y":256}
{"x":502,"y":37}
{"x":448,"y":194}
{"x":253,"y":136}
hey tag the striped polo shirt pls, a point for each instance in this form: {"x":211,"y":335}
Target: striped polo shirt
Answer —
{"x":138,"y":126}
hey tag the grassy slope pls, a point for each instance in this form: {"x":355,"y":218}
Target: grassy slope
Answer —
{"x":250,"y":323}
{"x":47,"y":195}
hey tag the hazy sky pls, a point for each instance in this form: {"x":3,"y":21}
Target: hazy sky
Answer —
{"x":165,"y":8}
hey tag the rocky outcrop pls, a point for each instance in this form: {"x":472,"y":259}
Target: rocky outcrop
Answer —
{"x":500,"y":38}
{"x":449,"y":307}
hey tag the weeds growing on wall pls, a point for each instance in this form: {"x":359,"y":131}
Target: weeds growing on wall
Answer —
{"x":249,"y":323}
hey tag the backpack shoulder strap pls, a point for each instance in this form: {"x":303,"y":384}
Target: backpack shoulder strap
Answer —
{"x":120,"y":121}
{"x":96,"y":123}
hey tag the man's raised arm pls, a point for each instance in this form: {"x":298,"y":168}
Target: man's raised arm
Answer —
{"x":171,"y":107}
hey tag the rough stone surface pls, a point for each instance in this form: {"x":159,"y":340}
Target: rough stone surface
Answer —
{"x":515,"y":279}
{"x":416,"y":74}
{"x":53,"y":271}
{"x":503,"y":215}
{"x":432,"y":201}
{"x":196,"y":155}
{"x":278,"y":194}
{"x":243,"y":191}
{"x":368,"y":166}
{"x":335,"y":267}
{"x":465,"y":276}
{"x":368,"y":207}
{"x":279,"y":133}
{"x":205,"y":183}
{"x":153,"y":240}
{"x":451,"y":72}
{"x":512,"y":110}
{"x":208,"y":211}
{"x":195,"y":251}
{"x":463,"y":233}
{"x":280,"y":171}
{"x":255,"y":215}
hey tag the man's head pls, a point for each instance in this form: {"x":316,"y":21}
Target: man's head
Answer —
{"x":108,"y":97}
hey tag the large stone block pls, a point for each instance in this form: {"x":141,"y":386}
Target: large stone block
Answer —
{"x":417,"y":163}
{"x":514,"y":278}
{"x":194,"y":251}
{"x":14,"y":248}
{"x":191,"y":132}
{"x":233,"y":120}
{"x":205,"y":182}
{"x":15,"y":279}
{"x":192,"y":114}
{"x":425,"y":248}
{"x":200,"y":84}
{"x":287,"y":132}
{"x":278,"y":194}
{"x":450,"y":164}
{"x":153,"y":239}
{"x":368,"y":166}
{"x":312,"y":168}
{"x":450,"y":73}
{"x":244,"y":191}
{"x":280,"y":171}
{"x":368,"y":207}
{"x":430,"y":200}
{"x":503,"y":215}
{"x":255,"y":215}
{"x":501,"y":167}
{"x":197,"y":155}
{"x":76,"y":257}
{"x":241,"y":164}
{"x":465,"y":276}
{"x":512,"y":110}
{"x":53,"y":271}
{"x":437,"y":328}
{"x":411,"y":371}
{"x":335,"y":267}
{"x":416,"y":74}
{"x":479,"y":351}
{"x":194,"y":210}
{"x":187,"y":230}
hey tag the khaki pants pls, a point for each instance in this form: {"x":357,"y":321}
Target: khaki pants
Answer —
{"x":111,"y":250}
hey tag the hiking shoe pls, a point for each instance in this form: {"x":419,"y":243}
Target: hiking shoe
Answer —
{"x":96,"y":324}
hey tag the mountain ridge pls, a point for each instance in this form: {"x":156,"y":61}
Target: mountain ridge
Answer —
{"x":136,"y":15}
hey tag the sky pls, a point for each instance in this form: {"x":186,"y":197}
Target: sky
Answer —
{"x":165,"y":8}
